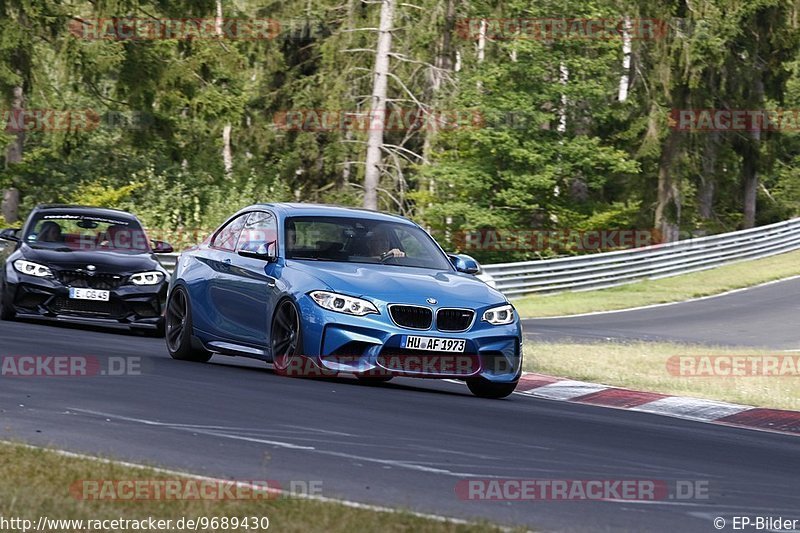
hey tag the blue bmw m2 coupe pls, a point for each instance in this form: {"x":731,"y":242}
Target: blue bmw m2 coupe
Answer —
{"x":322,"y":290}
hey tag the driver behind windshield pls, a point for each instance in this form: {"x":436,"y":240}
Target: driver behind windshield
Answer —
{"x":50,"y":232}
{"x":380,"y":248}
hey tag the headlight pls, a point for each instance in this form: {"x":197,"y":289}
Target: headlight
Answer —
{"x":343,"y":304}
{"x":147,"y":278}
{"x":32,"y":269}
{"x":498,"y":316}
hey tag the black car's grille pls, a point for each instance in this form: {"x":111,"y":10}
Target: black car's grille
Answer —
{"x":454,"y":319}
{"x":411,"y":316}
{"x":82,"y":280}
{"x":66,"y":305}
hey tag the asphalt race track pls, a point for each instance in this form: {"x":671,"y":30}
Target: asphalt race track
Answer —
{"x":408,"y":443}
{"x":765,"y":316}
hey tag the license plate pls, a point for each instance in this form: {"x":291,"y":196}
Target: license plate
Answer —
{"x":89,"y":294}
{"x":432,"y":344}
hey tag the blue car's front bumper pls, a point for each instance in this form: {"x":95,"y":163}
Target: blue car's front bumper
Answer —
{"x":373,"y":344}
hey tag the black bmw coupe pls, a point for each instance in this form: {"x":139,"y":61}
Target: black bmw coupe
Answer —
{"x":83,"y":264}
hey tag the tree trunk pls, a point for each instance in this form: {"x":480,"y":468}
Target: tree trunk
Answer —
{"x":624,"y":81}
{"x":14,"y":152}
{"x":668,"y":205}
{"x":750,"y":182}
{"x":227,"y":152}
{"x":15,"y":149}
{"x":707,"y":189}
{"x":377,"y":110}
{"x":10,"y":207}
{"x":751,"y":162}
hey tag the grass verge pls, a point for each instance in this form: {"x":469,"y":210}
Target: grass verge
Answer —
{"x":678,"y":288}
{"x":37,"y":483}
{"x":643,"y":366}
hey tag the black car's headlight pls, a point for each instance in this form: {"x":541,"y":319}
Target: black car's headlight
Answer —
{"x":147,"y":278}
{"x":32,"y":269}
{"x":499,"y":316}
{"x":340,"y":303}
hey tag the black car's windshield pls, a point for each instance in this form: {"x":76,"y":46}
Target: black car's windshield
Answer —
{"x":361,"y":240}
{"x":68,"y":232}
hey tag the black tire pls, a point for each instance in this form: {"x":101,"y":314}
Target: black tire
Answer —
{"x":286,"y":336}
{"x":372,"y":380}
{"x":179,"y":330}
{"x":483,"y":388}
{"x":6,"y":312}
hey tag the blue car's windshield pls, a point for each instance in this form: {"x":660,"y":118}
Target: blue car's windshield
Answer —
{"x":361,"y":240}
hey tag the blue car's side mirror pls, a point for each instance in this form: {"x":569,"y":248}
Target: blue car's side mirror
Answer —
{"x":263,"y":252}
{"x":464,"y":263}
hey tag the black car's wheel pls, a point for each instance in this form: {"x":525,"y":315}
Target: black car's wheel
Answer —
{"x":179,"y":330}
{"x":286,"y":340}
{"x":6,"y":312}
{"x":483,"y":388}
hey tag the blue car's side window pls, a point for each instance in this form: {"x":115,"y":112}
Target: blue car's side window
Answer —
{"x":260,"y":234}
{"x":226,"y":238}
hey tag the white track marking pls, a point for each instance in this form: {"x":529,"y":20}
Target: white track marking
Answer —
{"x":288,"y":445}
{"x":146,"y":422}
{"x":565,"y":390}
{"x":691,"y":408}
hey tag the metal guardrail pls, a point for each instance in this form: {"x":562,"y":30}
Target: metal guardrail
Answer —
{"x":168,"y":261}
{"x":610,"y":269}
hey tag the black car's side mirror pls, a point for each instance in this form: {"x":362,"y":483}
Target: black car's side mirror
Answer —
{"x":263,"y":252}
{"x":464,"y":263}
{"x":161,"y":247}
{"x":10,"y":234}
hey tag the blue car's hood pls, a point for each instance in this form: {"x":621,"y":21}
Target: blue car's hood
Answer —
{"x":394,"y":284}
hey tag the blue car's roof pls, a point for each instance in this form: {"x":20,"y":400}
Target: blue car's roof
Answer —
{"x":300,"y":210}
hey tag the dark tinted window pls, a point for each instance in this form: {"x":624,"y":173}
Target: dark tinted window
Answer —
{"x":86,"y":232}
{"x":362,"y":240}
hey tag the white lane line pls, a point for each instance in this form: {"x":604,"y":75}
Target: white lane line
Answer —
{"x":314,"y":497}
{"x":565,"y":390}
{"x":146,"y":422}
{"x":691,"y":408}
{"x":390,"y":462}
{"x":652,"y":306}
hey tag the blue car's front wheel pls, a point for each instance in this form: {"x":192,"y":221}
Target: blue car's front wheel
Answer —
{"x":483,"y":388}
{"x":286,"y":338}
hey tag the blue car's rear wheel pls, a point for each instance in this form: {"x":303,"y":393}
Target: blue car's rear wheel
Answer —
{"x":179,"y":329}
{"x":286,"y":338}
